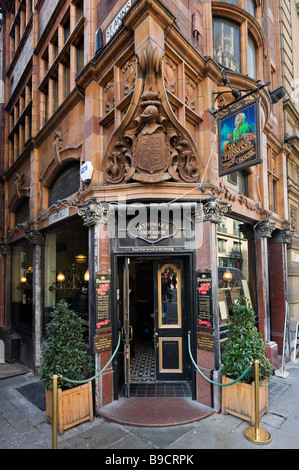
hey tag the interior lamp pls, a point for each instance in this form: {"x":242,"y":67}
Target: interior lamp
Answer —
{"x":81,"y":258}
{"x":227,"y":275}
{"x":23,"y":280}
{"x":60,"y":277}
{"x":86,"y":275}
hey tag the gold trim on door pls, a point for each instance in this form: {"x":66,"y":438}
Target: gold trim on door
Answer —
{"x":175,"y":290}
{"x":170,"y":371}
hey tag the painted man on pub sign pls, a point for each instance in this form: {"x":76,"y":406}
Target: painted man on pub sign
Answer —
{"x":239,"y":139}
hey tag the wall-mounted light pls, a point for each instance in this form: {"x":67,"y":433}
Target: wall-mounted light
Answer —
{"x":86,"y":275}
{"x":23,"y":280}
{"x":277,"y":94}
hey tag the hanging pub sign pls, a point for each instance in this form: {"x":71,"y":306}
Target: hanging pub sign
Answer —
{"x":239,"y":137}
{"x":204,"y":298}
{"x":103,"y":317}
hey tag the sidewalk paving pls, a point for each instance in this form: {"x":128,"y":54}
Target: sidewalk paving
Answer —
{"x":24,"y":426}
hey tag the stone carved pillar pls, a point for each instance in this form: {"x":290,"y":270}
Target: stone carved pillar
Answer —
{"x":96,"y":216}
{"x":208,"y":214}
{"x":263,"y":232}
{"x":35,"y":238}
{"x":5,"y":285}
{"x":279,"y":299}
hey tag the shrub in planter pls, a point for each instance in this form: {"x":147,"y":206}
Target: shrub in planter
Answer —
{"x":67,"y":354}
{"x":244,"y":344}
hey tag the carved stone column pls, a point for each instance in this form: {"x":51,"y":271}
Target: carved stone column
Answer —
{"x":5,"y":284}
{"x":263,"y":232}
{"x":279,"y":298}
{"x":96,"y":216}
{"x":35,"y":238}
{"x":208,"y":215}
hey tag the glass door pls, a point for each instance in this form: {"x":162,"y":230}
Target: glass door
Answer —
{"x":126,"y":329}
{"x":168,"y":322}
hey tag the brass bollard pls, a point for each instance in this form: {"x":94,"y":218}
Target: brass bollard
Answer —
{"x":256,"y":434}
{"x":54,"y":413}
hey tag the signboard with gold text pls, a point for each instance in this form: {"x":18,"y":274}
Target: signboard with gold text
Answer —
{"x":239,"y":137}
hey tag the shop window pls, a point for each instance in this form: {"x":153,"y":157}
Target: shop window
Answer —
{"x":232,"y":247}
{"x":65,"y":272}
{"x":227,"y":43}
{"x":66,"y":184}
{"x":233,"y":272}
{"x":22,"y":277}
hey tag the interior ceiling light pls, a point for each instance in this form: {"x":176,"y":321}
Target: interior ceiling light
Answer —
{"x":80,"y":258}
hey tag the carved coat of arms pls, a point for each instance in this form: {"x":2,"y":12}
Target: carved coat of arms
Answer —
{"x":151,"y":148}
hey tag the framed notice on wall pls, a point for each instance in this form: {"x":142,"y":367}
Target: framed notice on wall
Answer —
{"x":103,"y":314}
{"x":239,"y":139}
{"x":204,"y":298}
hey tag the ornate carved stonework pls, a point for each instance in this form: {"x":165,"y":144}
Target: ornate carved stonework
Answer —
{"x":153,"y":150}
{"x":214,"y":210}
{"x":287,"y":235}
{"x":34,"y":237}
{"x":92,"y":212}
{"x":170,"y":75}
{"x":265,"y":228}
{"x":129,"y":75}
{"x":190,"y":93}
{"x":109,"y":96}
{"x":151,"y":146}
{"x":5,"y":249}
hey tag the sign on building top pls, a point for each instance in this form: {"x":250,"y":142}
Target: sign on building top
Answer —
{"x":116,"y":23}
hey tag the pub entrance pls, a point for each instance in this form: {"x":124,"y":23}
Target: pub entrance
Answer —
{"x":152,"y":311}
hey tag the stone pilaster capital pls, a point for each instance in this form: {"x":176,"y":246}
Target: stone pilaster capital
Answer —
{"x":93,"y":212}
{"x":5,"y":249}
{"x":287,"y":235}
{"x":214,"y":210}
{"x":34,"y":237}
{"x":264,"y":228}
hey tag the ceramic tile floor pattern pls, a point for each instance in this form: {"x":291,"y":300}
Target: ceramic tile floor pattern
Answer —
{"x":143,"y":368}
{"x":143,"y":375}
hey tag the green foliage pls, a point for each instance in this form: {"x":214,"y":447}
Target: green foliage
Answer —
{"x":66,"y":351}
{"x":244,"y":344}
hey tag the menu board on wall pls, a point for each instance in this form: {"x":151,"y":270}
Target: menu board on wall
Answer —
{"x":204,"y":298}
{"x":103,"y":316}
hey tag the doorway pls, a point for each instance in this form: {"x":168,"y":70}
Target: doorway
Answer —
{"x":152,"y":312}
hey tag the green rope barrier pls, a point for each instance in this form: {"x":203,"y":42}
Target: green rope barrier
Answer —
{"x":211,"y":381}
{"x":95,"y":376}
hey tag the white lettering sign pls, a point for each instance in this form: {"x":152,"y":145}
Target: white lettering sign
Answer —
{"x":116,"y":23}
{"x":59,"y":215}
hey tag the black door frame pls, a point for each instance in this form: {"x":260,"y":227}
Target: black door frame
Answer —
{"x":188,"y":260}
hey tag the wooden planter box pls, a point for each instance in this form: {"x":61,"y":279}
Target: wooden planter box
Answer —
{"x":239,"y":399}
{"x":74,"y":406}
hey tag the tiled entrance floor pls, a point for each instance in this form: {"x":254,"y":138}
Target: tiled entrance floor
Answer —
{"x":160,"y":390}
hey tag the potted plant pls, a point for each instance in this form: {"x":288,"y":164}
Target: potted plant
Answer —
{"x":66,"y":354}
{"x":244,"y":344}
